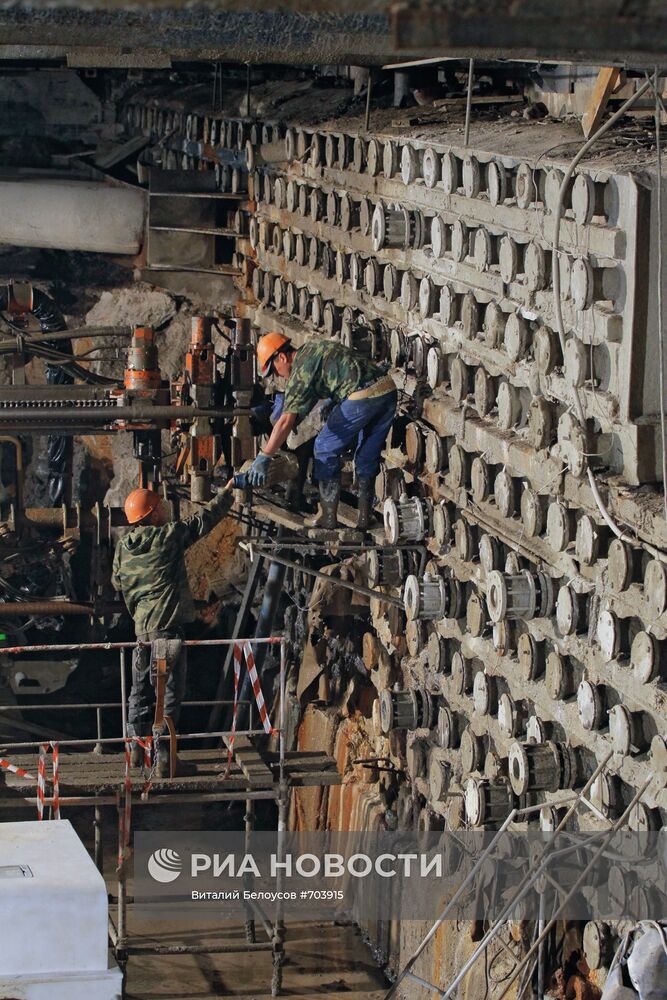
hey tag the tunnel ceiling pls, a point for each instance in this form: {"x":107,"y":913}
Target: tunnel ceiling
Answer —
{"x":109,"y":33}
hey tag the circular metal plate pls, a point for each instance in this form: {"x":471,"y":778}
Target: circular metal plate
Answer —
{"x":450,"y":173}
{"x":508,"y":258}
{"x":583,"y":198}
{"x":517,"y":334}
{"x":440,"y":236}
{"x":442,"y":523}
{"x":431,"y":167}
{"x":524,"y":187}
{"x":472,"y":177}
{"x":582,"y":285}
{"x":536,"y":267}
{"x":494,"y":325}
{"x":645,"y":657}
{"x":532,"y":512}
{"x":509,"y":406}
{"x":546,"y":348}
{"x":590,"y":705}
{"x":558,"y":677}
{"x":587,"y":541}
{"x":496,"y":182}
{"x":409,"y":291}
{"x":655,"y":588}
{"x":374,"y":157}
{"x":389,"y":159}
{"x":410,"y":164}
{"x":448,"y":305}
{"x":482,"y":248}
{"x":460,"y":240}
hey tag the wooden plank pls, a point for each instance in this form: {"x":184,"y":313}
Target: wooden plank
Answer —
{"x":272,"y":512}
{"x":297,"y":522}
{"x":608,"y":79}
{"x":249,"y":759}
{"x":90,"y":773}
{"x":119,"y":153}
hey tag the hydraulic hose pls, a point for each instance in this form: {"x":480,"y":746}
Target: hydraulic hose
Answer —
{"x":58,"y":447}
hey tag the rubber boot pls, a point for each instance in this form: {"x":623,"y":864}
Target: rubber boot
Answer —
{"x":136,"y":756}
{"x":182,"y":769}
{"x":365,"y":503}
{"x":163,"y":754}
{"x":329,"y":500}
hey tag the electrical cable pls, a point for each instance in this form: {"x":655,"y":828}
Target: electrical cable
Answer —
{"x":58,"y":447}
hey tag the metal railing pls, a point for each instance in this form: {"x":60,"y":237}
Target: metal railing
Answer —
{"x":121,"y":941}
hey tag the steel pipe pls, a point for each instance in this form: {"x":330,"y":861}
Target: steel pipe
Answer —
{"x":109,"y":413}
{"x":79,"y":333}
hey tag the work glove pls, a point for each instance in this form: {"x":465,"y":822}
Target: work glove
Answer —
{"x":259,"y":469}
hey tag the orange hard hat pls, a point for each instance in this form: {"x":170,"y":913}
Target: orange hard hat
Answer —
{"x":269,"y":345}
{"x":139,"y":504}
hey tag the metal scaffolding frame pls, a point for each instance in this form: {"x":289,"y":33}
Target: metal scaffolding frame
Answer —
{"x":122,"y":943}
{"x":538,"y":869}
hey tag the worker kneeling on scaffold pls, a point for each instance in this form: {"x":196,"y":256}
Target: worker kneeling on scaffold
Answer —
{"x":149,"y":570}
{"x":364,"y":399}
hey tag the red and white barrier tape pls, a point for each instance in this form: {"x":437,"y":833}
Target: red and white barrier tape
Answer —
{"x":237,"y":679}
{"x":125,"y":815}
{"x":257,"y":689}
{"x":146,"y":743}
{"x":241,"y":649}
{"x":16,"y":770}
{"x":41,"y":779}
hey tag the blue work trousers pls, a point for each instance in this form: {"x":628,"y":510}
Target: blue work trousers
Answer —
{"x":363,"y":423}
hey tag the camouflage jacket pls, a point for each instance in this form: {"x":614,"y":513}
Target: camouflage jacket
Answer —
{"x":326,"y":369}
{"x":149,"y":568}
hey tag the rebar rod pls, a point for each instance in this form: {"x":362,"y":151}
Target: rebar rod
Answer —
{"x":369,"y":92}
{"x":607,"y":836}
{"x":443,"y":916}
{"x":358,"y":588}
{"x":521,"y":890}
{"x":466,"y":134}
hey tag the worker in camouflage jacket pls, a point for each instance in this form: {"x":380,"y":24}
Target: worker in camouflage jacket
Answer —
{"x":149,"y":570}
{"x":363,"y":398}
